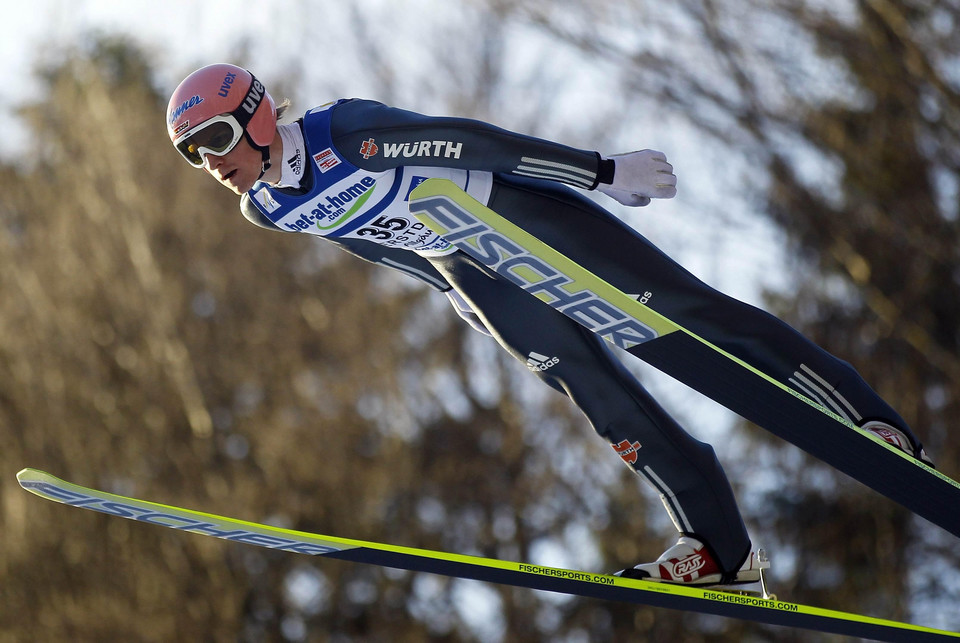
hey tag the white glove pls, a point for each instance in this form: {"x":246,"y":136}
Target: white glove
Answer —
{"x":640,"y":176}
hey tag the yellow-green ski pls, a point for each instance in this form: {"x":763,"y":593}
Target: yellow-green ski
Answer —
{"x":572,"y":289}
{"x":589,"y":584}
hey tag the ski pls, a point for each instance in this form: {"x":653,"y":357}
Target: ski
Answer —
{"x":627,"y":323}
{"x":599,"y":586}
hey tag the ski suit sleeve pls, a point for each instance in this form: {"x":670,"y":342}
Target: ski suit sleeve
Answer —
{"x":399,"y":259}
{"x":375,"y":137}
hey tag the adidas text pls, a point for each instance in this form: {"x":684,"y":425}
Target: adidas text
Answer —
{"x":539,"y":363}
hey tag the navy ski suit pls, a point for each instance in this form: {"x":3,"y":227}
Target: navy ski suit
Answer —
{"x":363,"y":159}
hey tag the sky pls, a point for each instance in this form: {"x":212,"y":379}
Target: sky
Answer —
{"x":33,"y":30}
{"x":185,"y":35}
{"x":740,"y":254}
{"x":734,"y":250}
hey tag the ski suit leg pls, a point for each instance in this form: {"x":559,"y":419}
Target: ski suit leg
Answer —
{"x":684,"y":471}
{"x":588,"y":234}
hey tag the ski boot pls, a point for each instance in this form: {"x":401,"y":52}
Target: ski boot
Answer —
{"x":897,"y":438}
{"x":690,"y":563}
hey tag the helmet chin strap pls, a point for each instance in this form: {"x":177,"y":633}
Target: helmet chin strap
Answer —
{"x":264,"y":154}
{"x":265,"y":163}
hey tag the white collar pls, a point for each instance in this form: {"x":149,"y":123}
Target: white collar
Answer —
{"x":292,"y":156}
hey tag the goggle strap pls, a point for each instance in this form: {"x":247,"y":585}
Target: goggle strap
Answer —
{"x":248,"y":106}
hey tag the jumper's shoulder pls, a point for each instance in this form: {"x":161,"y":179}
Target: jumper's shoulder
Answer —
{"x":350,"y":115}
{"x":253,"y":214}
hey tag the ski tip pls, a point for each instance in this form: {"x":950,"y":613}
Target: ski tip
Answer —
{"x":28,"y":475}
{"x":25,"y":473}
{"x":431,"y":187}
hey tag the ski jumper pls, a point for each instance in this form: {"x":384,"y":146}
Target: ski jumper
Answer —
{"x":360,"y":161}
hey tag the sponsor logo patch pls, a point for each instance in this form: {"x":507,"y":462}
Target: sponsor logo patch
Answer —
{"x":266,"y":199}
{"x":178,"y":111}
{"x":254,"y":95}
{"x":539,"y":363}
{"x":689,"y":565}
{"x":295,"y":163}
{"x":227,"y":84}
{"x":434,"y":149}
{"x":627,"y":450}
{"x":326,"y":160}
{"x":334,"y":205}
{"x":539,"y":278}
{"x":368,"y":148}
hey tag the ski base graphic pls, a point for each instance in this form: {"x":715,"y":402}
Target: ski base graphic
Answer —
{"x":600,"y":586}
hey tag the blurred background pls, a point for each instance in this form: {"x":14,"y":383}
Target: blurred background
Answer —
{"x":153,"y":343}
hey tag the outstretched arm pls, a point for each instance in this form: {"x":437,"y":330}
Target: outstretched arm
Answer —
{"x":376,"y":137}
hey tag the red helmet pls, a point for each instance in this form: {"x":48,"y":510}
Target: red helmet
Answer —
{"x":214,"y":107}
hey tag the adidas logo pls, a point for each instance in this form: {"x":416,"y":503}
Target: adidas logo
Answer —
{"x":539,"y":363}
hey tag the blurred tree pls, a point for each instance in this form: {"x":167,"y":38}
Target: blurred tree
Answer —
{"x":156,"y":344}
{"x":881,"y":248}
{"x":846,"y":120}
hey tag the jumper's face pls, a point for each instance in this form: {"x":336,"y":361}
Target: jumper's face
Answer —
{"x":238,"y":169}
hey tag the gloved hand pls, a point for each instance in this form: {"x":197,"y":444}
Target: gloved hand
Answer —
{"x":640,"y":176}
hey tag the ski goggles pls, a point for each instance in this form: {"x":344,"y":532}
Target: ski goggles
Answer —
{"x":216,"y":136}
{"x":220,"y":134}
